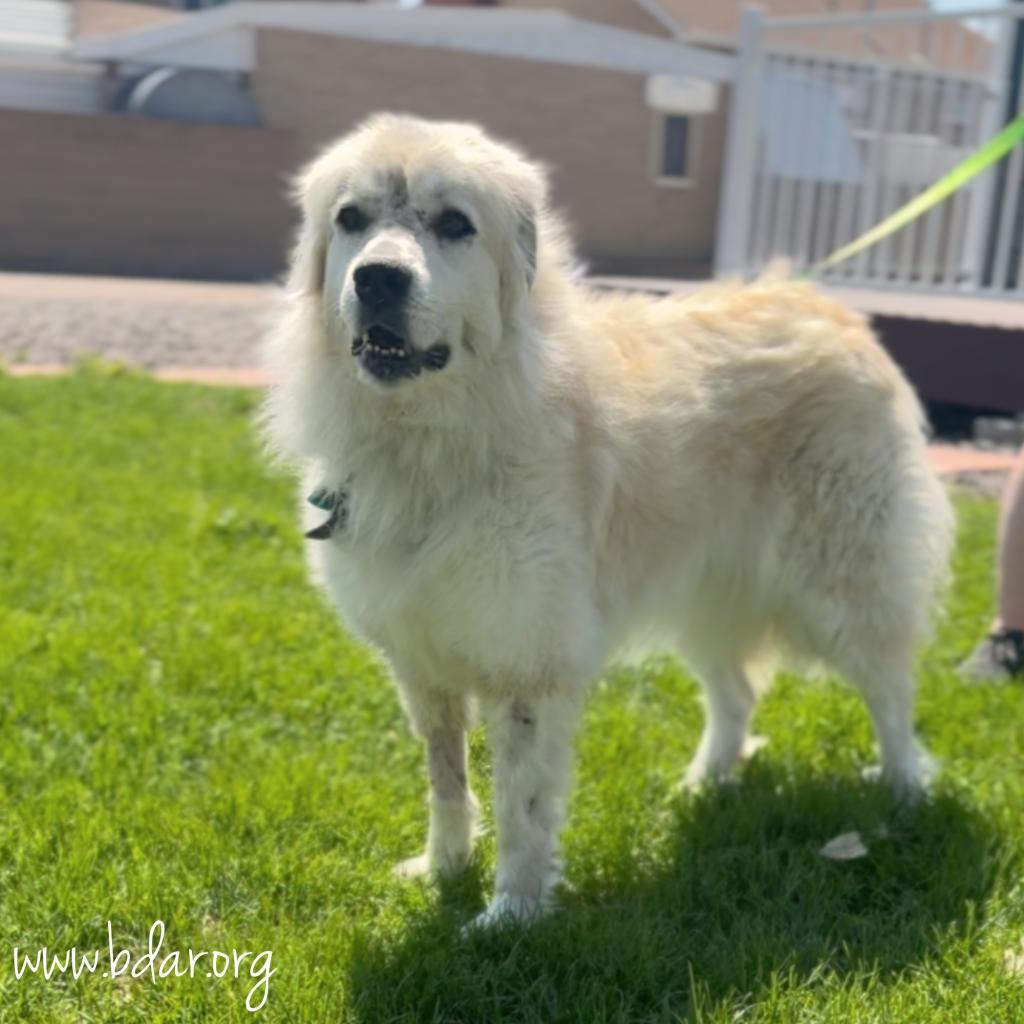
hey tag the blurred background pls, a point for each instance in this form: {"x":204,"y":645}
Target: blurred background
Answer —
{"x":685,"y":138}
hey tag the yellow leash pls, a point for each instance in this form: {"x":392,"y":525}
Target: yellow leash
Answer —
{"x":991,"y":153}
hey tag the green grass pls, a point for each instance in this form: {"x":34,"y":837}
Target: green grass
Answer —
{"x":187,"y":735}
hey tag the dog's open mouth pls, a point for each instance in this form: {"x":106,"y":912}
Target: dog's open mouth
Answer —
{"x":389,"y":357}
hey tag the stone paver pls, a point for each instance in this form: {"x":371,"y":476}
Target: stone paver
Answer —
{"x":54,"y":318}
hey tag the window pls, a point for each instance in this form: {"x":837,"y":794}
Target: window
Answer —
{"x":676,"y":151}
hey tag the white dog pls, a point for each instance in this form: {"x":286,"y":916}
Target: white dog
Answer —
{"x":521,"y":478}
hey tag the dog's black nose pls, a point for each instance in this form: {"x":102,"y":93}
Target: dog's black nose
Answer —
{"x":382,"y":284}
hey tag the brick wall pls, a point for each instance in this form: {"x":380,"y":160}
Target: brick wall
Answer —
{"x":591,"y":127}
{"x":114,"y":194}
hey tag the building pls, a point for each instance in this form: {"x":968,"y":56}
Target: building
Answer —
{"x":171,"y":152}
{"x":168,"y":134}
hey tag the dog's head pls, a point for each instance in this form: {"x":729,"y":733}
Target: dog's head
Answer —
{"x":420,"y":242}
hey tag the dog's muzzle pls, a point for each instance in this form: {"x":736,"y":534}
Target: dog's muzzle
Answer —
{"x":389,"y":357}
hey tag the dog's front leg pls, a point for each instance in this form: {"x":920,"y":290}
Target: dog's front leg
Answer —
{"x":532,"y":743}
{"x":442,"y":719}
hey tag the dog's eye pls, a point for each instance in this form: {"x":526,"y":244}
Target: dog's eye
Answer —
{"x":453,"y":225}
{"x":352,"y":219}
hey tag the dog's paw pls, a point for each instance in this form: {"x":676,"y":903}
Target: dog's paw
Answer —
{"x":433,"y":866}
{"x":705,"y":771}
{"x":413,"y":867}
{"x":909,"y":788}
{"x":751,"y":745}
{"x":701,"y":775}
{"x":507,"y":910}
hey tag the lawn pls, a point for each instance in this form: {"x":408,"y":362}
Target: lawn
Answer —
{"x":187,"y":736}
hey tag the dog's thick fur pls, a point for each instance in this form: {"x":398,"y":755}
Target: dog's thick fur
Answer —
{"x":740,"y":474}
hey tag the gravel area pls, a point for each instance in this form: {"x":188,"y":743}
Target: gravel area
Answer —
{"x":53,"y":319}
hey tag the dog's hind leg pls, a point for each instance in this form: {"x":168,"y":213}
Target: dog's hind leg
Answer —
{"x":442,"y":719}
{"x":532,"y":743}
{"x":887,"y":685}
{"x":871,"y":640}
{"x":729,"y":701}
{"x":906,"y":766}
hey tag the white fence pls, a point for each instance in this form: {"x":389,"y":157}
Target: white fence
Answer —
{"x":838,"y":120}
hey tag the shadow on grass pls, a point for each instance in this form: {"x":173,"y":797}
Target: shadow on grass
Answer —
{"x":727,"y":899}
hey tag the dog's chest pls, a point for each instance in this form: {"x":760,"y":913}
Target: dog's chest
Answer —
{"x":490,"y":585}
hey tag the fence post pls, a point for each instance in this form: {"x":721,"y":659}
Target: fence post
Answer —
{"x":979,"y":212}
{"x":736,"y":197}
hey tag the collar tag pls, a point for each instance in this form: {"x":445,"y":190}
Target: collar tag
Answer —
{"x":322,"y":499}
{"x":335,"y":502}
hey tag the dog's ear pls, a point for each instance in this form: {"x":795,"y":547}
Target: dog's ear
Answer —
{"x":527,"y":240}
{"x":521,"y":263}
{"x":306,"y":274}
{"x":309,"y":255}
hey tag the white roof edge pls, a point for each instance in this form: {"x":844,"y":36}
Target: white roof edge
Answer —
{"x":297,"y":17}
{"x":702,"y":63}
{"x":661,"y":55}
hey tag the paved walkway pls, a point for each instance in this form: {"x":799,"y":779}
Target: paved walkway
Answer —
{"x":51,"y":318}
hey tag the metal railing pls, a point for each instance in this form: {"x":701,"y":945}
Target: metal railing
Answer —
{"x":837,"y":121}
